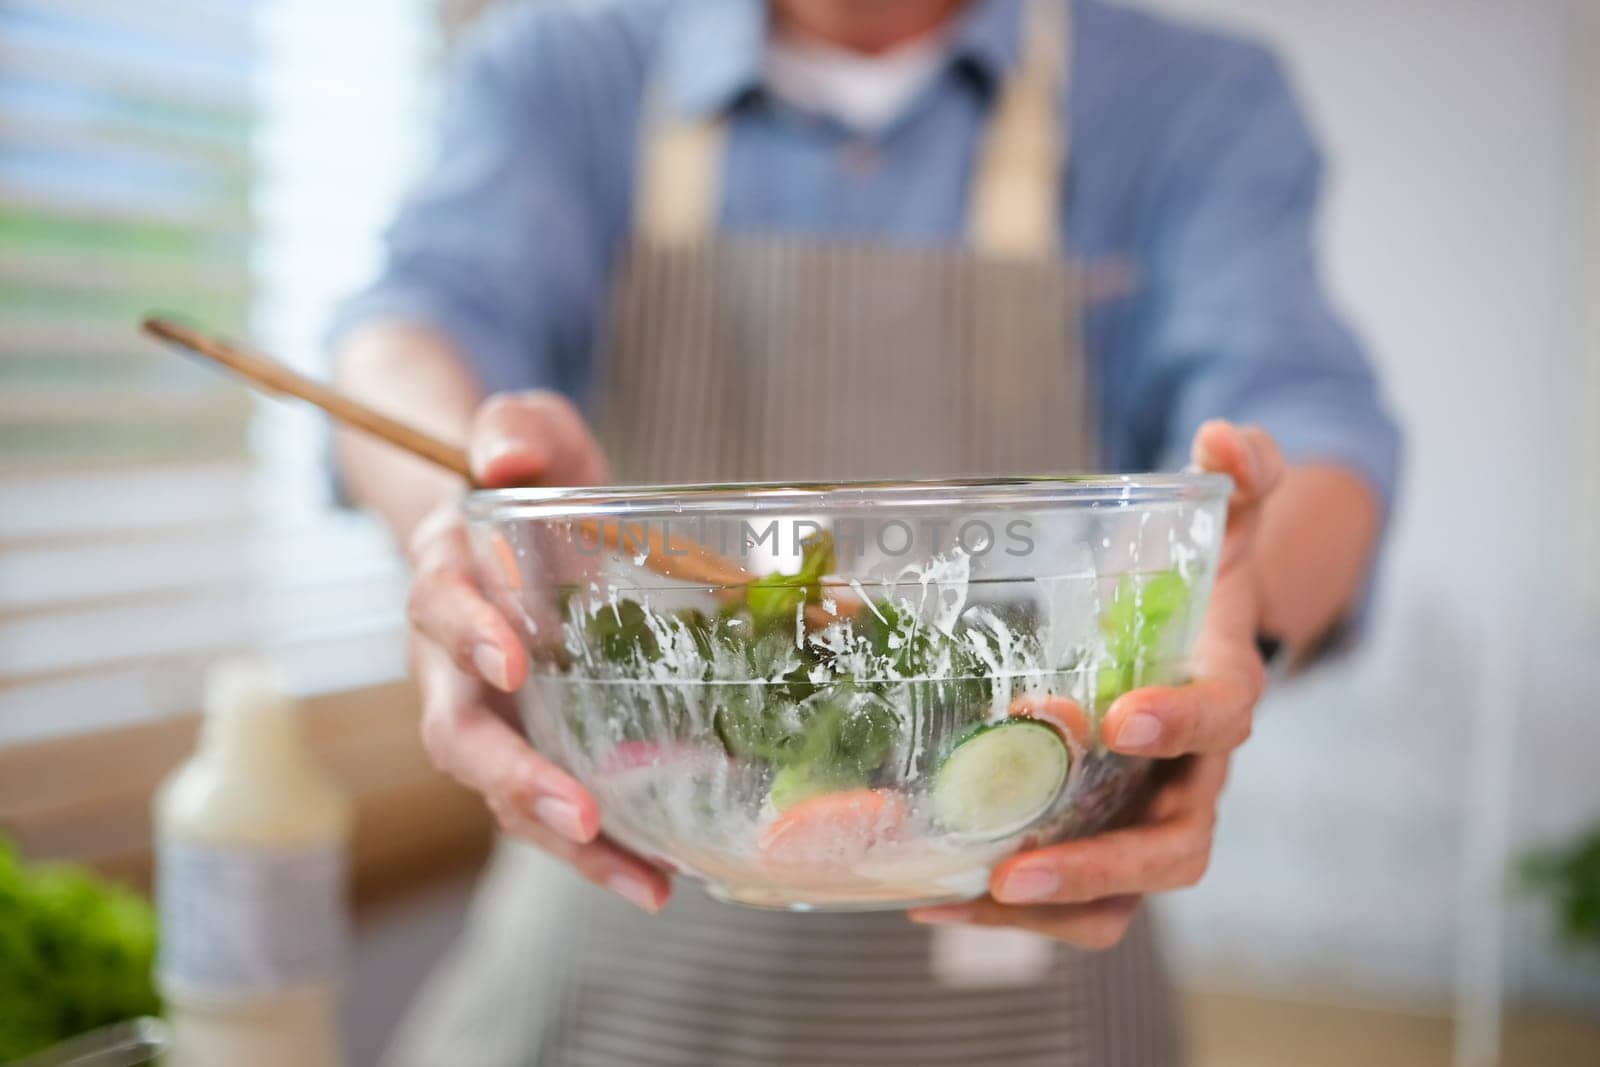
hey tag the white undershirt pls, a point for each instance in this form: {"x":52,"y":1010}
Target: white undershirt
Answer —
{"x":863,"y":93}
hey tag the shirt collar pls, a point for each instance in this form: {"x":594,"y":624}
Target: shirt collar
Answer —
{"x":712,"y":50}
{"x":711,"y":54}
{"x":988,"y":39}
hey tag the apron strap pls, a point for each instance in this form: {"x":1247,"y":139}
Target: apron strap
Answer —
{"x":1014,"y":212}
{"x":680,"y":177}
{"x":1014,"y":209}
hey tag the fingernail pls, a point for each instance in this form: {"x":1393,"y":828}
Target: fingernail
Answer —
{"x":481,"y":452}
{"x":1137,"y":731}
{"x":958,"y":913}
{"x":526,"y":463}
{"x":634,"y":890}
{"x":491,"y":664}
{"x":561,"y":816}
{"x":499,"y":450}
{"x":1028,"y":884}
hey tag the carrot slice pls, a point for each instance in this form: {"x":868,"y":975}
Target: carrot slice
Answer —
{"x":506,"y":557}
{"x":835,"y":829}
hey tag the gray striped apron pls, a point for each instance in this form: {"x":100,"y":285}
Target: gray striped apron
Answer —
{"x":763,"y":357}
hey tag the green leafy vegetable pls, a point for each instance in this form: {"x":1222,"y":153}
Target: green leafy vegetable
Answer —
{"x":744,"y":725}
{"x":911,"y":649}
{"x":75,"y":953}
{"x":846,"y":737}
{"x":774,"y":598}
{"x":1134,"y":626}
{"x":819,"y":708}
{"x":1570,"y":876}
{"x":621,"y":632}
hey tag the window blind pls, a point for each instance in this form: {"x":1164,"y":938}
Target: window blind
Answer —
{"x":124,"y":185}
{"x":192,"y":156}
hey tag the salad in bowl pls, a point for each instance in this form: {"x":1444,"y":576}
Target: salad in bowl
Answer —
{"x":848,"y":696}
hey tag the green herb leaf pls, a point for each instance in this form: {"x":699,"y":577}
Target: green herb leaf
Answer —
{"x":774,"y":598}
{"x":844,"y":739}
{"x":622,"y":633}
{"x":75,"y":953}
{"x":915,"y":651}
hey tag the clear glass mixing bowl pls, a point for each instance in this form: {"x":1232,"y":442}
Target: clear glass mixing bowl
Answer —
{"x":848,"y":696}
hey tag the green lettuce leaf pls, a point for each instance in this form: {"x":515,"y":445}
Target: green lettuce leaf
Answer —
{"x":1135,"y":625}
{"x":76,"y":953}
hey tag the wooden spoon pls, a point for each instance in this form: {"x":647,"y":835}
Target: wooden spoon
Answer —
{"x":670,"y":557}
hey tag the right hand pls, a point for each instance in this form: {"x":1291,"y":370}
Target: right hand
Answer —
{"x":467,"y":659}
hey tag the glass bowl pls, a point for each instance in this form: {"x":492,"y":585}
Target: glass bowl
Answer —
{"x":848,"y":696}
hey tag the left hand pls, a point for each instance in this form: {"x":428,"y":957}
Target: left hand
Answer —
{"x":1086,"y":892}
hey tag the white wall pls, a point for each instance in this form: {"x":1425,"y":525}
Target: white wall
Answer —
{"x":1459,"y":210}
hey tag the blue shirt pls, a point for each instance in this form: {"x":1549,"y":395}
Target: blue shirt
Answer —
{"x":1193,"y":179}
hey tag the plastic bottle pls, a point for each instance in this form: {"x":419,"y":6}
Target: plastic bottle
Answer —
{"x":250,"y":851}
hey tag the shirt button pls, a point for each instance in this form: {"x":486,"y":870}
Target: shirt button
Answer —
{"x":859,"y":158}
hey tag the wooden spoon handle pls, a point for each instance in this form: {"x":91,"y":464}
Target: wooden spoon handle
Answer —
{"x":280,"y":379}
{"x":686,"y":560}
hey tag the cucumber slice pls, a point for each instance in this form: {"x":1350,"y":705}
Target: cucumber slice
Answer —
{"x":1000,"y":778}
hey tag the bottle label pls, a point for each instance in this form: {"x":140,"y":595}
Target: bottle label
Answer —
{"x":241,"y":921}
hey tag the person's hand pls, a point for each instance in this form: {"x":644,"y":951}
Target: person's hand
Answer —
{"x":467,"y":659}
{"x":1086,"y":892}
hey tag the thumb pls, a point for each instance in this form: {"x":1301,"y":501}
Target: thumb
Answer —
{"x":1251,"y":458}
{"x":1247,"y":454}
{"x":533,"y":438}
